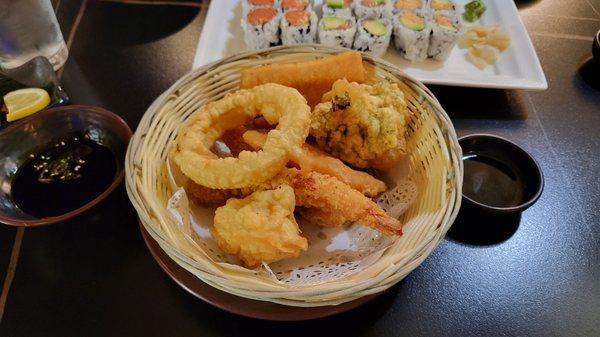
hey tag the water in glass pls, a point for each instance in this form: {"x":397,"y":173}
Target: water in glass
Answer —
{"x":28,"y":28}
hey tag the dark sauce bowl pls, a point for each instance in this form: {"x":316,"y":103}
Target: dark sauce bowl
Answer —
{"x":500,"y":176}
{"x":35,"y":133}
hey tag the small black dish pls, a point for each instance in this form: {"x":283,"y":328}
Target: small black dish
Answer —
{"x":499,"y":176}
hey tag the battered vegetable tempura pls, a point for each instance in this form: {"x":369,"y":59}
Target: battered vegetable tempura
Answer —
{"x":312,"y":159}
{"x":206,"y":195}
{"x":361,"y":124}
{"x":277,"y":104}
{"x":260,"y":227}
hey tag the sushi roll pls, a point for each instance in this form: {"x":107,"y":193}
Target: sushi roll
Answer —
{"x":442,"y":5}
{"x":261,"y":27}
{"x":337,"y":8}
{"x":404,"y":5}
{"x":445,"y":31}
{"x":373,"y":8}
{"x":247,"y":5}
{"x":373,"y":35}
{"x":337,"y":31}
{"x":295,"y":5}
{"x":411,"y":34}
{"x":298,"y":27}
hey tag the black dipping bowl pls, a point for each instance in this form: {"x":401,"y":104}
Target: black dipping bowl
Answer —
{"x":499,"y":175}
{"x":35,"y":132}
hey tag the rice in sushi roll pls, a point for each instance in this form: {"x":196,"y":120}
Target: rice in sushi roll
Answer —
{"x":298,"y":27}
{"x":373,"y":35}
{"x":261,"y":27}
{"x":247,"y":5}
{"x":373,"y":8}
{"x":337,"y":8}
{"x":442,"y":5}
{"x":411,"y":34}
{"x":406,"y":5}
{"x":295,"y":5}
{"x":445,"y":31}
{"x":337,"y":31}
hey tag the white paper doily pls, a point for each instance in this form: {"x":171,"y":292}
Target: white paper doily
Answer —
{"x":333,"y":253}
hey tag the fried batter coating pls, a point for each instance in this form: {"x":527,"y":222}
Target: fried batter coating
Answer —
{"x":260,"y":227}
{"x":311,"y":78}
{"x":206,"y":195}
{"x":312,"y":159}
{"x":361,"y":124}
{"x":321,"y":217}
{"x":277,"y":104}
{"x":235,"y":144}
{"x":324,"y":192}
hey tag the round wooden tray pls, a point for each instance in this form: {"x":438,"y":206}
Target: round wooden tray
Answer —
{"x":239,"y":305}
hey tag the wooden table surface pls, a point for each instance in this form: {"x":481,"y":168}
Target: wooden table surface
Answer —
{"x":536,"y":274}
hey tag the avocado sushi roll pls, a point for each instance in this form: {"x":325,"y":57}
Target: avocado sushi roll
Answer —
{"x":295,"y":5}
{"x":445,"y":31}
{"x":298,"y":27}
{"x":337,"y":8}
{"x":373,"y":35}
{"x":337,"y":31}
{"x":411,"y":34}
{"x":261,"y":27}
{"x":442,"y":5}
{"x":373,"y":8}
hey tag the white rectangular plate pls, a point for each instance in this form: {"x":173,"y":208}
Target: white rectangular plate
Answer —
{"x":518,"y":67}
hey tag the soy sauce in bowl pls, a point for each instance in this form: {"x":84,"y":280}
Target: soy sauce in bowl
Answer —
{"x":63,"y":177}
{"x":491,"y":182}
{"x":499,"y":176}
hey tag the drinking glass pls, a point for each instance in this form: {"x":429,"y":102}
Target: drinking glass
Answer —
{"x":28,"y":28}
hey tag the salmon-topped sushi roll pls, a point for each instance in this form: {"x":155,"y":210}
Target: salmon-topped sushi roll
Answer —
{"x":373,"y":9}
{"x":295,"y":5}
{"x":409,"y":5}
{"x":411,"y":34}
{"x":252,"y":4}
{"x":248,"y":5}
{"x":446,"y":28}
{"x":262,"y":3}
{"x":261,"y":27}
{"x":442,"y":5}
{"x":299,"y":27}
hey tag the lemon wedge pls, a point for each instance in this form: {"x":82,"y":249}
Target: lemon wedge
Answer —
{"x":24,"y":102}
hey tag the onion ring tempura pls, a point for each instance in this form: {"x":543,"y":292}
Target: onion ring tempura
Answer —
{"x":276,"y":103}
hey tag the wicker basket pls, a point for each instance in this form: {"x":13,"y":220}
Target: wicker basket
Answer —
{"x":435,"y":166}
